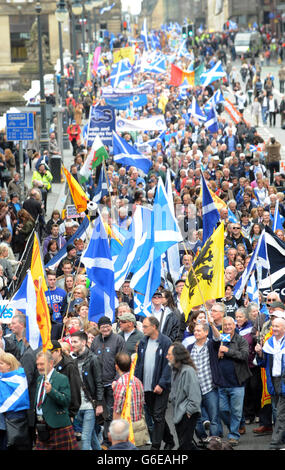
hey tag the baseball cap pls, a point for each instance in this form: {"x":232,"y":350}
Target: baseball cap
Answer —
{"x":278,"y":314}
{"x":55,"y":345}
{"x":128,"y":317}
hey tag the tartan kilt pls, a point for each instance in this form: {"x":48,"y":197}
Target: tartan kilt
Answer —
{"x":60,"y":439}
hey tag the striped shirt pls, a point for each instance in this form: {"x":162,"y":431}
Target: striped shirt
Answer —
{"x":137,"y":396}
{"x":201,"y":359}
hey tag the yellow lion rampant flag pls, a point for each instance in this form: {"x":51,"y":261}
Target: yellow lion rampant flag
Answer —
{"x":126,"y":411}
{"x":208,"y":282}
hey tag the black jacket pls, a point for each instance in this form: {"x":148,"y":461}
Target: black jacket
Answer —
{"x":68,"y":367}
{"x":91,"y":376}
{"x":106,"y":350}
{"x":162,"y":371}
{"x":135,"y":337}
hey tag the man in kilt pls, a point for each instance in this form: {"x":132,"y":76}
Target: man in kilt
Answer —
{"x":54,"y":430}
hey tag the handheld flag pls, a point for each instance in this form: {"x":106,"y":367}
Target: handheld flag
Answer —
{"x":126,"y":411}
{"x":128,"y":155}
{"x":209,"y":274}
{"x":195,"y":110}
{"x":210,"y":76}
{"x":43,"y":315}
{"x":79,"y":197}
{"x":120,"y":71}
{"x":14,"y":393}
{"x":97,"y":154}
{"x":210,"y":213}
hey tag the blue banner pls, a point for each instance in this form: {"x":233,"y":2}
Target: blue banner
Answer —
{"x":123,"y":102}
{"x":102,"y":121}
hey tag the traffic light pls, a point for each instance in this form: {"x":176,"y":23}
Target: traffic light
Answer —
{"x":190,"y":30}
{"x":184,"y":32}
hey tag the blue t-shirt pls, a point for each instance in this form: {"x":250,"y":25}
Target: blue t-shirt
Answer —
{"x":55,"y":300}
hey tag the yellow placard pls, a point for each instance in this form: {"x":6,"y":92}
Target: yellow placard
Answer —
{"x":124,"y":53}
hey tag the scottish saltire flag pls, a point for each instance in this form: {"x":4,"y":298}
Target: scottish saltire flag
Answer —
{"x":25,"y":300}
{"x":102,"y":187}
{"x":133,"y":244}
{"x":195,"y":110}
{"x":154,"y":41}
{"x":80,"y":233}
{"x":120,"y":71}
{"x":14,"y":392}
{"x":274,"y":277}
{"x":259,"y":254}
{"x":210,"y":212}
{"x":165,"y":225}
{"x":158,"y":66}
{"x":172,"y":254}
{"x":107,"y":8}
{"x":160,"y":138}
{"x":253,"y":148}
{"x":211,"y":122}
{"x":277,"y":220}
{"x":210,"y":76}
{"x":213,"y":101}
{"x":231,"y":216}
{"x":127,"y":155}
{"x":144,"y":35}
{"x":225,"y":338}
{"x":183,"y":90}
{"x":252,"y":289}
{"x":99,"y":266}
{"x":117,"y":240}
{"x":137,"y":66}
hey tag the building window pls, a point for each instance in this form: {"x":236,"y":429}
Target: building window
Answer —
{"x":20,"y":33}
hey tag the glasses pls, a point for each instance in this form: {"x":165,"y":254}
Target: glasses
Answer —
{"x":236,"y":228}
{"x":271,"y":300}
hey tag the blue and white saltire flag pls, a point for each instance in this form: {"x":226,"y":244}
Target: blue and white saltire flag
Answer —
{"x":120,"y":71}
{"x":25,"y":300}
{"x":140,"y":309}
{"x":183,"y":90}
{"x":172,"y":254}
{"x":99,"y":266}
{"x":107,"y":8}
{"x":117,"y":240}
{"x":213,"y":101}
{"x":231,"y":216}
{"x":133,"y":246}
{"x":252,"y":289}
{"x":195,"y":111}
{"x":277,"y":220}
{"x":158,"y":66}
{"x":14,"y":392}
{"x":210,"y":213}
{"x":258,"y":254}
{"x":211,"y":122}
{"x":165,"y":226}
{"x":80,"y":233}
{"x":210,"y":76}
{"x":144,"y":35}
{"x":160,"y":138}
{"x":102,"y":187}
{"x":127,"y":155}
{"x":155,"y":42}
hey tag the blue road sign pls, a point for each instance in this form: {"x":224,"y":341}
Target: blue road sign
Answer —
{"x":20,"y":126}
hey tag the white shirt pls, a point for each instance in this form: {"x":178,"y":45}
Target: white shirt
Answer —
{"x":40,"y":411}
{"x":277,"y":357}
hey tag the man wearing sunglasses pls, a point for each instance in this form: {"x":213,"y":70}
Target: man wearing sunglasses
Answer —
{"x":237,"y":237}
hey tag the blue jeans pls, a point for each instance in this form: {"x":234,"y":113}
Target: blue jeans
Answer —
{"x":210,"y":408}
{"x":264,"y":113}
{"x":231,"y":408}
{"x":89,"y":439}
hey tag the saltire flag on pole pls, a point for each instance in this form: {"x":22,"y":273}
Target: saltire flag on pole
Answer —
{"x":97,"y":154}
{"x":252,"y":289}
{"x":120,"y":71}
{"x":172,"y":254}
{"x":210,"y":213}
{"x":144,"y":35}
{"x":274,"y":277}
{"x":79,"y":197}
{"x":209,"y":274}
{"x":158,"y":66}
{"x":178,"y":75}
{"x":240,"y":285}
{"x":210,"y":76}
{"x":25,"y":300}
{"x":211,"y":122}
{"x":98,"y":262}
{"x":277,"y":221}
{"x":102,"y":187}
{"x":126,"y":411}
{"x":195,"y":111}
{"x":14,"y":392}
{"x":43,"y":315}
{"x":127,"y":155}
{"x":53,"y":263}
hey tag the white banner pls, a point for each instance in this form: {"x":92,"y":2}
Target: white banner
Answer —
{"x":154,"y":123}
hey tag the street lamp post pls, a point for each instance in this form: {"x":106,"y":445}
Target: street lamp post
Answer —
{"x":76,"y":9}
{"x":62,"y":14}
{"x":44,"y":140}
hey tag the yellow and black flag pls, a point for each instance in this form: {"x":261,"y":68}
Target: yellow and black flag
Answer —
{"x":208,"y":282}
